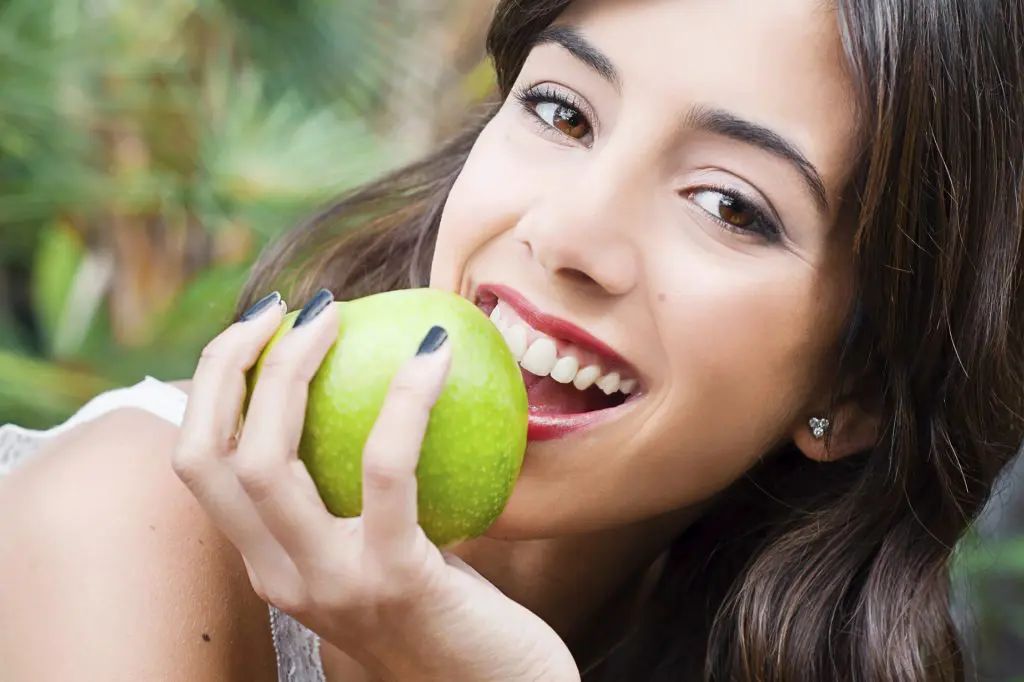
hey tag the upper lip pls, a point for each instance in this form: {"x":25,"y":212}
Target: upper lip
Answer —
{"x":554,"y":327}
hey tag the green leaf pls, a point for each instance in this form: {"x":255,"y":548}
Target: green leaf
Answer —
{"x":58,"y":259}
{"x":282,"y":152}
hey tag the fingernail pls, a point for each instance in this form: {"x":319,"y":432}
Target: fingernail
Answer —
{"x":434,"y":339}
{"x":314,"y":307}
{"x":261,"y":306}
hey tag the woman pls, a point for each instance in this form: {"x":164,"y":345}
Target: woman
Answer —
{"x":789,"y":237}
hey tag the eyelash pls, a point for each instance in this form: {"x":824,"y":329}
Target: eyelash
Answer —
{"x":528,"y":97}
{"x":770,"y":229}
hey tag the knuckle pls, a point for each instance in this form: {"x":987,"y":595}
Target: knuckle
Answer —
{"x":188,"y":462}
{"x":215,"y":350}
{"x":394,"y":587}
{"x":281,"y":368}
{"x":381,"y":476}
{"x":216,"y":364}
{"x":258,"y":481}
{"x":279,"y":361}
{"x":409,"y":391}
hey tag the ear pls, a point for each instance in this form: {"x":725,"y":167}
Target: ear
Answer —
{"x":852,"y":429}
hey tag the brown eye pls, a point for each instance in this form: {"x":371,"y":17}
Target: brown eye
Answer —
{"x":571,"y":123}
{"x":737,"y":214}
{"x":565,"y":119}
{"x":727,"y":208}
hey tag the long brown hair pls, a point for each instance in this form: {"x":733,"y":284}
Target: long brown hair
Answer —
{"x":806,"y":571}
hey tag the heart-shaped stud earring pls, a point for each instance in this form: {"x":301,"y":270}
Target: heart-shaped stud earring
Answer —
{"x":819,"y":427}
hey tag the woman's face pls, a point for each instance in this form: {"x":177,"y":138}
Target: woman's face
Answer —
{"x":654,"y":212}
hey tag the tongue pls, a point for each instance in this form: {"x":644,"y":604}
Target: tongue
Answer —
{"x":547,"y":396}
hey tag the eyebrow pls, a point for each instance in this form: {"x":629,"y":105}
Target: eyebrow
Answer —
{"x":578,"y":46}
{"x":727,"y":124}
{"x":707,"y":119}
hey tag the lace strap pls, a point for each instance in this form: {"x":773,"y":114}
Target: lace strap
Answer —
{"x":298,"y":649}
{"x":17,"y":444}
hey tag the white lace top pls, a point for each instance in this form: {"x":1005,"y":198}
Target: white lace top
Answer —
{"x":297,"y":648}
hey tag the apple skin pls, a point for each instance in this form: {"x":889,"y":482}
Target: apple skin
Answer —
{"x":476,"y":436}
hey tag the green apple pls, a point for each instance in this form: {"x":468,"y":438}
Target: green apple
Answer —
{"x":476,"y":436}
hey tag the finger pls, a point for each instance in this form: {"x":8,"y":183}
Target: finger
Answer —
{"x":218,"y":385}
{"x":393,"y":447}
{"x":209,"y":426}
{"x":214,"y":404}
{"x":266,"y":461}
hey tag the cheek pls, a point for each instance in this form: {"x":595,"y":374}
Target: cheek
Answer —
{"x":492,"y":192}
{"x":730,"y":319}
{"x":745,"y":344}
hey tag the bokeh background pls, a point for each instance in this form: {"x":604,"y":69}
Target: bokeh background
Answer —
{"x":150,"y":148}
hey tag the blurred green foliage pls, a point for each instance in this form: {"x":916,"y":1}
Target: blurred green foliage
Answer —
{"x":148,"y":150}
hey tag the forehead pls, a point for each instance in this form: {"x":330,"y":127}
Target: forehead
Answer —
{"x":779,"y":63}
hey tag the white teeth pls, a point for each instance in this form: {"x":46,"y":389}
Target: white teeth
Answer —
{"x":515,"y":337}
{"x":565,"y":369}
{"x":541,"y":357}
{"x":586,"y":377}
{"x":609,"y":383}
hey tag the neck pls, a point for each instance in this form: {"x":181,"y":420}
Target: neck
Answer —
{"x":576,"y":582}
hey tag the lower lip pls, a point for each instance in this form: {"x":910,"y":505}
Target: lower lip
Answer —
{"x":543,"y":427}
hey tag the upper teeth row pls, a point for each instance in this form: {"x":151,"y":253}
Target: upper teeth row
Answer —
{"x":541,"y":358}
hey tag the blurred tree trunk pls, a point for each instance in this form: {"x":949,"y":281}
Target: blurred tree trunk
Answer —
{"x":429,"y":100}
{"x":413,"y":98}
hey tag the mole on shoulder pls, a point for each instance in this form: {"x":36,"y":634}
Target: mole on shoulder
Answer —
{"x":206,"y":637}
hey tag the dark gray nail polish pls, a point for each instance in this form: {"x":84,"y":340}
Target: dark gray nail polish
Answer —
{"x":314,"y":307}
{"x":261,"y":306}
{"x":434,"y":339}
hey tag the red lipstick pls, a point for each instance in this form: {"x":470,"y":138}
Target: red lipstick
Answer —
{"x":554,"y":426}
{"x":546,"y":425}
{"x":554,"y":327}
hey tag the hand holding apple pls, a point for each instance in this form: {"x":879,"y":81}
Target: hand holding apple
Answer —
{"x":474,"y":444}
{"x":374,"y":585}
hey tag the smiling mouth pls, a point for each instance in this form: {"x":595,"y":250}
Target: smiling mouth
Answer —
{"x":573,"y":380}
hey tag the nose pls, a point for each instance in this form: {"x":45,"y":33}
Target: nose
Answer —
{"x":587,"y":236}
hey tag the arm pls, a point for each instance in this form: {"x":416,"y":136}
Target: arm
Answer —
{"x":110,"y":571}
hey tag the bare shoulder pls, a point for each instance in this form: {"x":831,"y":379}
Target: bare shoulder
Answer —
{"x":115,"y":573}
